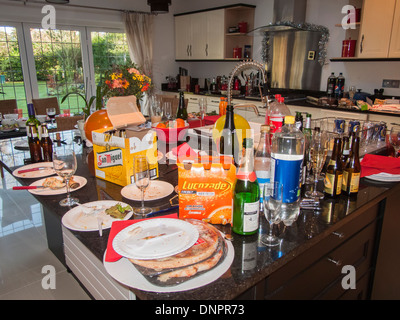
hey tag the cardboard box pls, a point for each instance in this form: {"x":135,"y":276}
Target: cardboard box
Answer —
{"x":206,"y":191}
{"x":114,"y":155}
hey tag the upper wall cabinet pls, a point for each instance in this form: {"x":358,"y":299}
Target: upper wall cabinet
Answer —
{"x":380,"y":29}
{"x":204,"y":35}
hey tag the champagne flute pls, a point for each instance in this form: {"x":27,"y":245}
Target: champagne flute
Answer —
{"x":142,"y":180}
{"x":168,"y":110}
{"x":203,"y":107}
{"x":394,"y":139}
{"x":272,"y":207}
{"x":64,"y":162}
{"x":318,"y":152}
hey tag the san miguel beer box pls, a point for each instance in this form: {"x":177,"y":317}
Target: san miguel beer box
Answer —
{"x":115,"y":147}
{"x":206,"y":190}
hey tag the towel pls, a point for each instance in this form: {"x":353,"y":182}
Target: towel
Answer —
{"x":374,"y":164}
{"x":116,"y":227}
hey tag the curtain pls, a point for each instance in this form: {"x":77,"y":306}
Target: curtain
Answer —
{"x":139,"y":33}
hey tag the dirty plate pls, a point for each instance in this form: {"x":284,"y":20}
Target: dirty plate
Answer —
{"x":156,"y":190}
{"x":155,"y":239}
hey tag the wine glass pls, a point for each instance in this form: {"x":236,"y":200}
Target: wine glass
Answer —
{"x":203,"y":107}
{"x":51,"y":112}
{"x":318,"y":152}
{"x":272,"y":207}
{"x":394,"y":139}
{"x":168,"y":110}
{"x":142,"y":180}
{"x":64,"y":162}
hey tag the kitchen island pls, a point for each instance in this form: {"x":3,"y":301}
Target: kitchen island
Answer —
{"x":306,"y":265}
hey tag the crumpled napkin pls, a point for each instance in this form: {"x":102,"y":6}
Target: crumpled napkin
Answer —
{"x":374,"y":164}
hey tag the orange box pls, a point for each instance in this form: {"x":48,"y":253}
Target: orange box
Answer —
{"x":206,"y":190}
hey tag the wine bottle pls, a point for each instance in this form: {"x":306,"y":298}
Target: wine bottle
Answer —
{"x":351,"y":174}
{"x":334,"y":172}
{"x":228,"y":143}
{"x":246,"y":196}
{"x":32,"y":120}
{"x":182,"y":111}
{"x":46,"y":144}
{"x":34,"y":144}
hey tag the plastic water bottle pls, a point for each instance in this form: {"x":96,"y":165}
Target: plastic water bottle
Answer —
{"x":262,"y":161}
{"x":278,"y":111}
{"x":287,"y":155}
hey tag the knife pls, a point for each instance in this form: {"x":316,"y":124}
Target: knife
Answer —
{"x":28,"y":187}
{"x":163,"y":210}
{"x":34,"y":169}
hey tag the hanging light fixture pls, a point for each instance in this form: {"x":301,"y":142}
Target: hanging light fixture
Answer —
{"x":159,"y":6}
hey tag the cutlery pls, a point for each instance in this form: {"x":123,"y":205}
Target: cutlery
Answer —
{"x":34,"y":169}
{"x":162,"y":210}
{"x":100,"y":223}
{"x":72,"y":186}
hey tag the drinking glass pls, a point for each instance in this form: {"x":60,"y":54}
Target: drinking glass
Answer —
{"x":352,"y":92}
{"x":203,"y":107}
{"x":156,"y":111}
{"x":64,"y":162}
{"x":318,"y":152}
{"x":168,"y":110}
{"x":272,"y":207}
{"x":142,"y":180}
{"x":51,"y":112}
{"x":394,"y":139}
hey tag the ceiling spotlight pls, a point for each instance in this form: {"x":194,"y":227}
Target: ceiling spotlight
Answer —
{"x":58,"y":1}
{"x":159,"y":6}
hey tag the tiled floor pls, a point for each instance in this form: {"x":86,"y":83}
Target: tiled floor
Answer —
{"x":24,"y":252}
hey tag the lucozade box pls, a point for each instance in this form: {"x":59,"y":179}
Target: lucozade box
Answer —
{"x":206,"y":190}
{"x":114,"y":155}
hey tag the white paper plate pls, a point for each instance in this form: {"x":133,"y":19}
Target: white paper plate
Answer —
{"x":156,"y":190}
{"x":49,"y":192}
{"x":125,"y":272}
{"x":35,"y":174}
{"x":384,"y":177}
{"x":76,"y":220}
{"x":155,"y":239}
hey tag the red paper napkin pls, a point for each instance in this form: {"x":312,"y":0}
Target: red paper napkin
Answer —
{"x":374,"y":164}
{"x":116,"y":227}
{"x":211,"y":119}
{"x":184,"y":150}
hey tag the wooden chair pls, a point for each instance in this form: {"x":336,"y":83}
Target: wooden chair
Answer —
{"x":174,"y":102}
{"x":8,"y":106}
{"x":40,"y":105}
{"x":68,"y":123}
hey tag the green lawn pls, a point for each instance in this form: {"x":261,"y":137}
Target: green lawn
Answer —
{"x":16,"y":90}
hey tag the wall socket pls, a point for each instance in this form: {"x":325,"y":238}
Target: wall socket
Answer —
{"x":386,"y":83}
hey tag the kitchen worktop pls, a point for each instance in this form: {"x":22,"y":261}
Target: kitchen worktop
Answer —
{"x":253,"y":262}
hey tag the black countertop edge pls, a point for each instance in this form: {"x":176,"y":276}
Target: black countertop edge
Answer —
{"x":300,"y":102}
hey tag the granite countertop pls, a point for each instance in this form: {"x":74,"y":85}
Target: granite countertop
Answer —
{"x":253,"y":261}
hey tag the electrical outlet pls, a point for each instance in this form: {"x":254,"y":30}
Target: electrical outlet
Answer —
{"x":311,"y":55}
{"x":387,"y":83}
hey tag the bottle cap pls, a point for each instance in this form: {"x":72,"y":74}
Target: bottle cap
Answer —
{"x":289,"y":120}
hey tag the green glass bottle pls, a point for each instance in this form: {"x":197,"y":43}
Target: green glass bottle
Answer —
{"x":182,"y":111}
{"x":246,"y":195}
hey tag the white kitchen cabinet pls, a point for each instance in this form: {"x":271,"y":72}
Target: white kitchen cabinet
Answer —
{"x":376,"y":35}
{"x":204,"y":35}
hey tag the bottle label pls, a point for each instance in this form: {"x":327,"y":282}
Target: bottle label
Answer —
{"x":263,"y":178}
{"x":353,"y":181}
{"x":329,"y":183}
{"x":250,"y":216}
{"x":287,"y":170}
{"x":251,"y":176}
{"x":277,"y":122}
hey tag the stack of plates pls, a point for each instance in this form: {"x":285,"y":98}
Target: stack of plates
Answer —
{"x":384,"y":177}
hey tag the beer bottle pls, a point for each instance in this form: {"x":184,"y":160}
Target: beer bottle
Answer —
{"x":31,"y":119}
{"x":246,"y":196}
{"x":46,"y":144}
{"x":334,"y":172}
{"x":182,"y":112}
{"x":345,"y":151}
{"x":228,"y":143}
{"x":351,"y":174}
{"x":34,"y":144}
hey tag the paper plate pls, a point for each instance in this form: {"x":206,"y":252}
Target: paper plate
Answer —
{"x":155,"y":239}
{"x":49,"y":192}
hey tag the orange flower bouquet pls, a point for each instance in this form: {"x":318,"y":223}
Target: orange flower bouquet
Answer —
{"x":125,"y":80}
